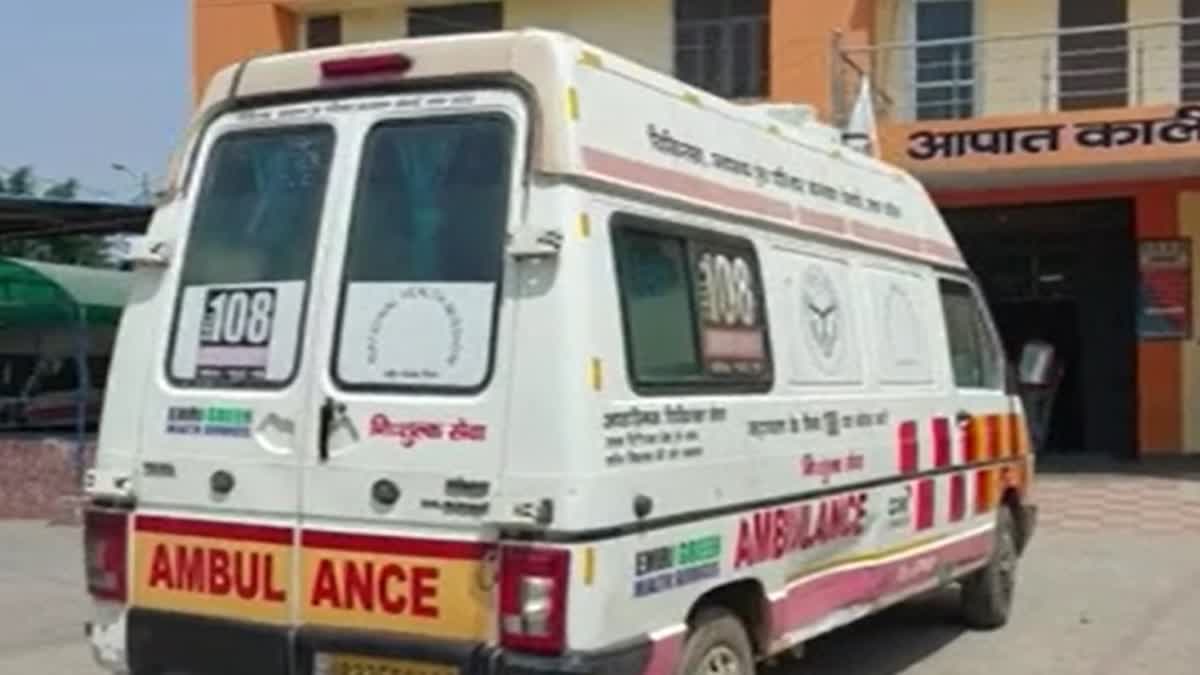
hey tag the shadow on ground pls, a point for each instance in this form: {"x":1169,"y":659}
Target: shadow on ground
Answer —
{"x":891,"y":642}
{"x":1179,"y":467}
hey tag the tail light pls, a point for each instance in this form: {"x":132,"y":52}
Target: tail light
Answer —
{"x":105,"y":548}
{"x":533,"y":598}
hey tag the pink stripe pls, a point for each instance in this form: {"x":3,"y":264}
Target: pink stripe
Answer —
{"x":642,"y":174}
{"x":820,"y":220}
{"x":887,"y":237}
{"x":810,"y":600}
{"x":909,"y":447}
{"x":633,"y":171}
{"x":958,"y":497}
{"x":941,"y":442}
{"x":664,"y":655}
{"x":926,"y":504}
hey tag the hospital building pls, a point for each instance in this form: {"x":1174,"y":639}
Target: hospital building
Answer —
{"x":1060,"y":138}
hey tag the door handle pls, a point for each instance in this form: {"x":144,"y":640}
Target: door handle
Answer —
{"x":329,"y":409}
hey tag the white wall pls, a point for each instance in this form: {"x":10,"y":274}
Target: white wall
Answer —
{"x":374,"y":23}
{"x":642,"y":30}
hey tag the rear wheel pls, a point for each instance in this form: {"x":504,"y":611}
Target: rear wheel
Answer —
{"x":987,"y":595}
{"x":717,"y":645}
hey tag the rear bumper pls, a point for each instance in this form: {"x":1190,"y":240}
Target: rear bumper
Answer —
{"x":163,"y":642}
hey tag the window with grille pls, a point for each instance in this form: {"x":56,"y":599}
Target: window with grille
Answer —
{"x":474,"y":17}
{"x":723,"y":46}
{"x":1093,"y":65}
{"x":323,"y":31}
{"x":1189,"y":57}
{"x":944,"y":86}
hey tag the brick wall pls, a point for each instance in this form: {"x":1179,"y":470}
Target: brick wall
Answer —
{"x":36,"y":473}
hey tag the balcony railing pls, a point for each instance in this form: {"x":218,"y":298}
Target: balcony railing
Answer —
{"x":1111,"y":66}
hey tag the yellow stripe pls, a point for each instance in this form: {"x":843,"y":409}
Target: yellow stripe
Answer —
{"x":596,"y":374}
{"x":572,"y":104}
{"x":589,"y":566}
{"x":410,"y":594}
{"x":590,"y":58}
{"x":979,"y":428}
{"x":689,"y":97}
{"x":873,"y":556}
{"x":1021,"y":442}
{"x":585,"y":226}
{"x":251,"y":580}
{"x":1004,"y":438}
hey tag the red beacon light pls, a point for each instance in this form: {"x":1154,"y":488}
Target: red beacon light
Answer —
{"x":360,"y":66}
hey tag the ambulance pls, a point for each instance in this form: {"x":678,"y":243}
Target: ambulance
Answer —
{"x":500,"y":353}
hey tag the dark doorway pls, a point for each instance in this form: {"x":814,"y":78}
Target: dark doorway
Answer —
{"x":1066,"y":273}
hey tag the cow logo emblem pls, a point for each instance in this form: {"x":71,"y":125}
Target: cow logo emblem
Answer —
{"x":824,"y":318}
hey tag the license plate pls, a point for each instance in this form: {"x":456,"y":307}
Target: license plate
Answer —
{"x":346,"y":664}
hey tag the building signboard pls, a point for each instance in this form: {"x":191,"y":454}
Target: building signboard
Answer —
{"x":1164,"y":289}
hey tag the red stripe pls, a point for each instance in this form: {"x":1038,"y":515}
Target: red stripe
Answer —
{"x":368,"y":543}
{"x":969,"y":444}
{"x":926,"y":504}
{"x":958,"y":497}
{"x":643,"y":174}
{"x":908,"y":447}
{"x":941,"y":442}
{"x":213,"y":529}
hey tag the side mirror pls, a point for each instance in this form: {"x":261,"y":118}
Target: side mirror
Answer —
{"x":1036,"y":368}
{"x":147,"y":252}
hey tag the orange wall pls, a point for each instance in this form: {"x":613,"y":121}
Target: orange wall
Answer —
{"x":802,"y":44}
{"x":227,"y":31}
{"x":1159,"y":363}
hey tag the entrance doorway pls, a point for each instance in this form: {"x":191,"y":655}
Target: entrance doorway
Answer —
{"x":1066,"y":273}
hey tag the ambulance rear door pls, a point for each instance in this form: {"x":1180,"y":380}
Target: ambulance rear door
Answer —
{"x":413,"y":393}
{"x":225,"y":416}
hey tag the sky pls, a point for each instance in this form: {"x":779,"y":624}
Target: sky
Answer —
{"x":88,"y":83}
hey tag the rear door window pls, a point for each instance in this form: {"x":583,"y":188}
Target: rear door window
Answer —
{"x":249,"y":258}
{"x":425,"y":257}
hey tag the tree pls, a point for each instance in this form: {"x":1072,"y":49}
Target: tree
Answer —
{"x":20,"y":182}
{"x":65,"y":190}
{"x":69,"y":249}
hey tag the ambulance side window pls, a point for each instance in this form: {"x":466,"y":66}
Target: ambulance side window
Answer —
{"x":974,"y":355}
{"x":693,"y":308}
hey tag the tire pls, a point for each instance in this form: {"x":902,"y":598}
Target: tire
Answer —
{"x":987,"y":595}
{"x":717,"y":645}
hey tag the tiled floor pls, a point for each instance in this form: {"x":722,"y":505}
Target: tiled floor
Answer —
{"x":1148,"y":497}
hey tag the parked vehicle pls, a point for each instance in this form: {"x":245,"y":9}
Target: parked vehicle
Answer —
{"x":502,"y":354}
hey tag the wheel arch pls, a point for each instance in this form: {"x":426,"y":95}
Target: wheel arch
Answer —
{"x":745,"y":599}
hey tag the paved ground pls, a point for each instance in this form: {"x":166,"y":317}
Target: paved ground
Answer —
{"x":1111,"y":586}
{"x":42,"y":601}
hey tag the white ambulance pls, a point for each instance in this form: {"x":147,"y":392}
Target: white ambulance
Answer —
{"x":502,"y":354}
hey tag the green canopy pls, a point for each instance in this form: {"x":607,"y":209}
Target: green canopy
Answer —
{"x":37,"y":294}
